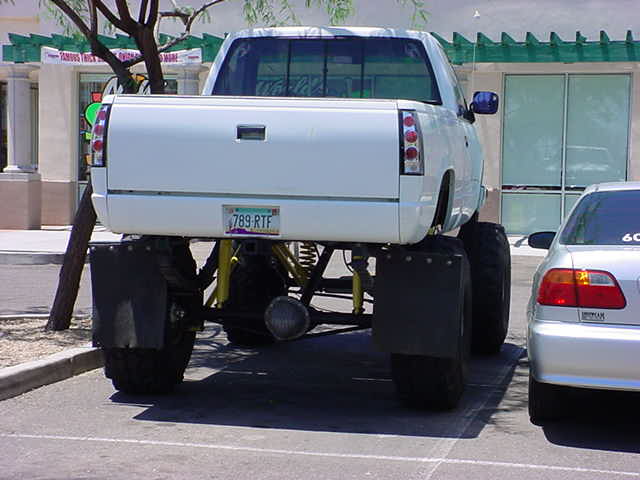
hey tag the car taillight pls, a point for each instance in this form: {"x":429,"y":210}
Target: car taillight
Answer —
{"x":567,"y":287}
{"x":411,"y":157}
{"x":99,"y":137}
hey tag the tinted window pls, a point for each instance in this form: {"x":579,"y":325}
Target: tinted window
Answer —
{"x":605,"y":218}
{"x":343,"y":67}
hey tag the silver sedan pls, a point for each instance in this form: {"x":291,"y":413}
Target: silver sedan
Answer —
{"x":584,"y":310}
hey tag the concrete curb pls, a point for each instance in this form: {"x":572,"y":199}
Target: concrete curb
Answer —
{"x":19,"y":379}
{"x":31,"y":258}
{"x":27,"y":316}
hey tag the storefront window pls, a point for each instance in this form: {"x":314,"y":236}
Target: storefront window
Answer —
{"x":90,"y":91}
{"x":560,"y":134}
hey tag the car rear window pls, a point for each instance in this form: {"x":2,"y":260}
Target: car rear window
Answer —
{"x":605,"y":218}
{"x":350,"y":67}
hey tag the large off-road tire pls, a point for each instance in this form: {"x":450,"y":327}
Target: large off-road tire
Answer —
{"x":437,"y":383}
{"x":254,"y":283}
{"x":490,"y":259}
{"x":546,"y":402}
{"x":148,"y":370}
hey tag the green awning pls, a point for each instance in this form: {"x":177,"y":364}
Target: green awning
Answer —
{"x":24,"y":49}
{"x":460,"y":50}
{"x":484,"y":50}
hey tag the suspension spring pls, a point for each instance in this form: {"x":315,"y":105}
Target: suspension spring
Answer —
{"x":308,"y":256}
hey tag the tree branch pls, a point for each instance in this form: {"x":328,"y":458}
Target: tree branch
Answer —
{"x":73,"y":16}
{"x":176,"y":14}
{"x":143,"y":10}
{"x":188,"y":21}
{"x":129,"y":25}
{"x":153,"y":14}
{"x":104,"y":10}
{"x":197,"y":13}
{"x":93,"y":15}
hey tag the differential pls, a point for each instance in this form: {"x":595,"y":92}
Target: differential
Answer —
{"x":287,"y":318}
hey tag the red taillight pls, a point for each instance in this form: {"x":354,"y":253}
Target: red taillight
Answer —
{"x":98,"y":137}
{"x":558,"y":288}
{"x":411,"y":153}
{"x":411,"y":156}
{"x":566,"y":287}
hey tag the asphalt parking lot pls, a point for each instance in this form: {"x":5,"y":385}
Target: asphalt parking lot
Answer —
{"x":319,"y":408}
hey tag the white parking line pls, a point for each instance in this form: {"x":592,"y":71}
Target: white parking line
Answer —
{"x":449,"y":461}
{"x":365,"y":379}
{"x":444,"y":447}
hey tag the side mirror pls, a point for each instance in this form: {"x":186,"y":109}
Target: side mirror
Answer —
{"x":485,"y":103}
{"x":541,"y":240}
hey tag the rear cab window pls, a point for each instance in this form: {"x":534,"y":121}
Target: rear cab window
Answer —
{"x":346,"y":67}
{"x":605,"y":218}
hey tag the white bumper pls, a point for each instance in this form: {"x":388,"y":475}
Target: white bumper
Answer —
{"x":585,"y":355}
{"x":396,"y":221}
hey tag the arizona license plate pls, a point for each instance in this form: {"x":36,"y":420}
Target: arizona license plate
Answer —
{"x":240,"y":220}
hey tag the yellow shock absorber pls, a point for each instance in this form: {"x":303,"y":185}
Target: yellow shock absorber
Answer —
{"x":308,"y":256}
{"x":357,"y":293}
{"x":214,"y":292}
{"x":224,"y":271}
{"x":290,"y":262}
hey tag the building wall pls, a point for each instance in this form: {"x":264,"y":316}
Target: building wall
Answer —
{"x":490,"y":128}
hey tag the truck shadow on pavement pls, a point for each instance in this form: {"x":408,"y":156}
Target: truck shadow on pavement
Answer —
{"x":336,"y":383}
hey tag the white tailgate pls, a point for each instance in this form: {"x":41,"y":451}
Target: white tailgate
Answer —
{"x":312,"y":148}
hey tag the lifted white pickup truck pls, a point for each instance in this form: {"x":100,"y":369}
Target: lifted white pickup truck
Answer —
{"x":357,"y":139}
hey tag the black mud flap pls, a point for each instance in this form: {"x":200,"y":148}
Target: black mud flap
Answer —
{"x":129,"y":296}
{"x":418,"y":302}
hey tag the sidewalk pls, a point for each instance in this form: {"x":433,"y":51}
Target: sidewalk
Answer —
{"x":40,"y":247}
{"x":47,"y":246}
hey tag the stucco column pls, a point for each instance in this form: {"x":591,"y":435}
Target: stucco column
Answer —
{"x":20,"y":186}
{"x":19,"y":121}
{"x":188,"y":80}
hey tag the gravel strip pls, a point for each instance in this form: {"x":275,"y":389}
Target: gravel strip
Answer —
{"x":25,"y":339}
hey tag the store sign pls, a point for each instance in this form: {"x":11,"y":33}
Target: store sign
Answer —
{"x":63,"y":57}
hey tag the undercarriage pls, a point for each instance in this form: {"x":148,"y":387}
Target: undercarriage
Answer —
{"x":149,"y":301}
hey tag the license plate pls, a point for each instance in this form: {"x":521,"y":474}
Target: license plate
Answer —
{"x":251,"y":220}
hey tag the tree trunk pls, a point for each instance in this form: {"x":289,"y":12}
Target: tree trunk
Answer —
{"x":149,"y":48}
{"x":74,"y":258}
